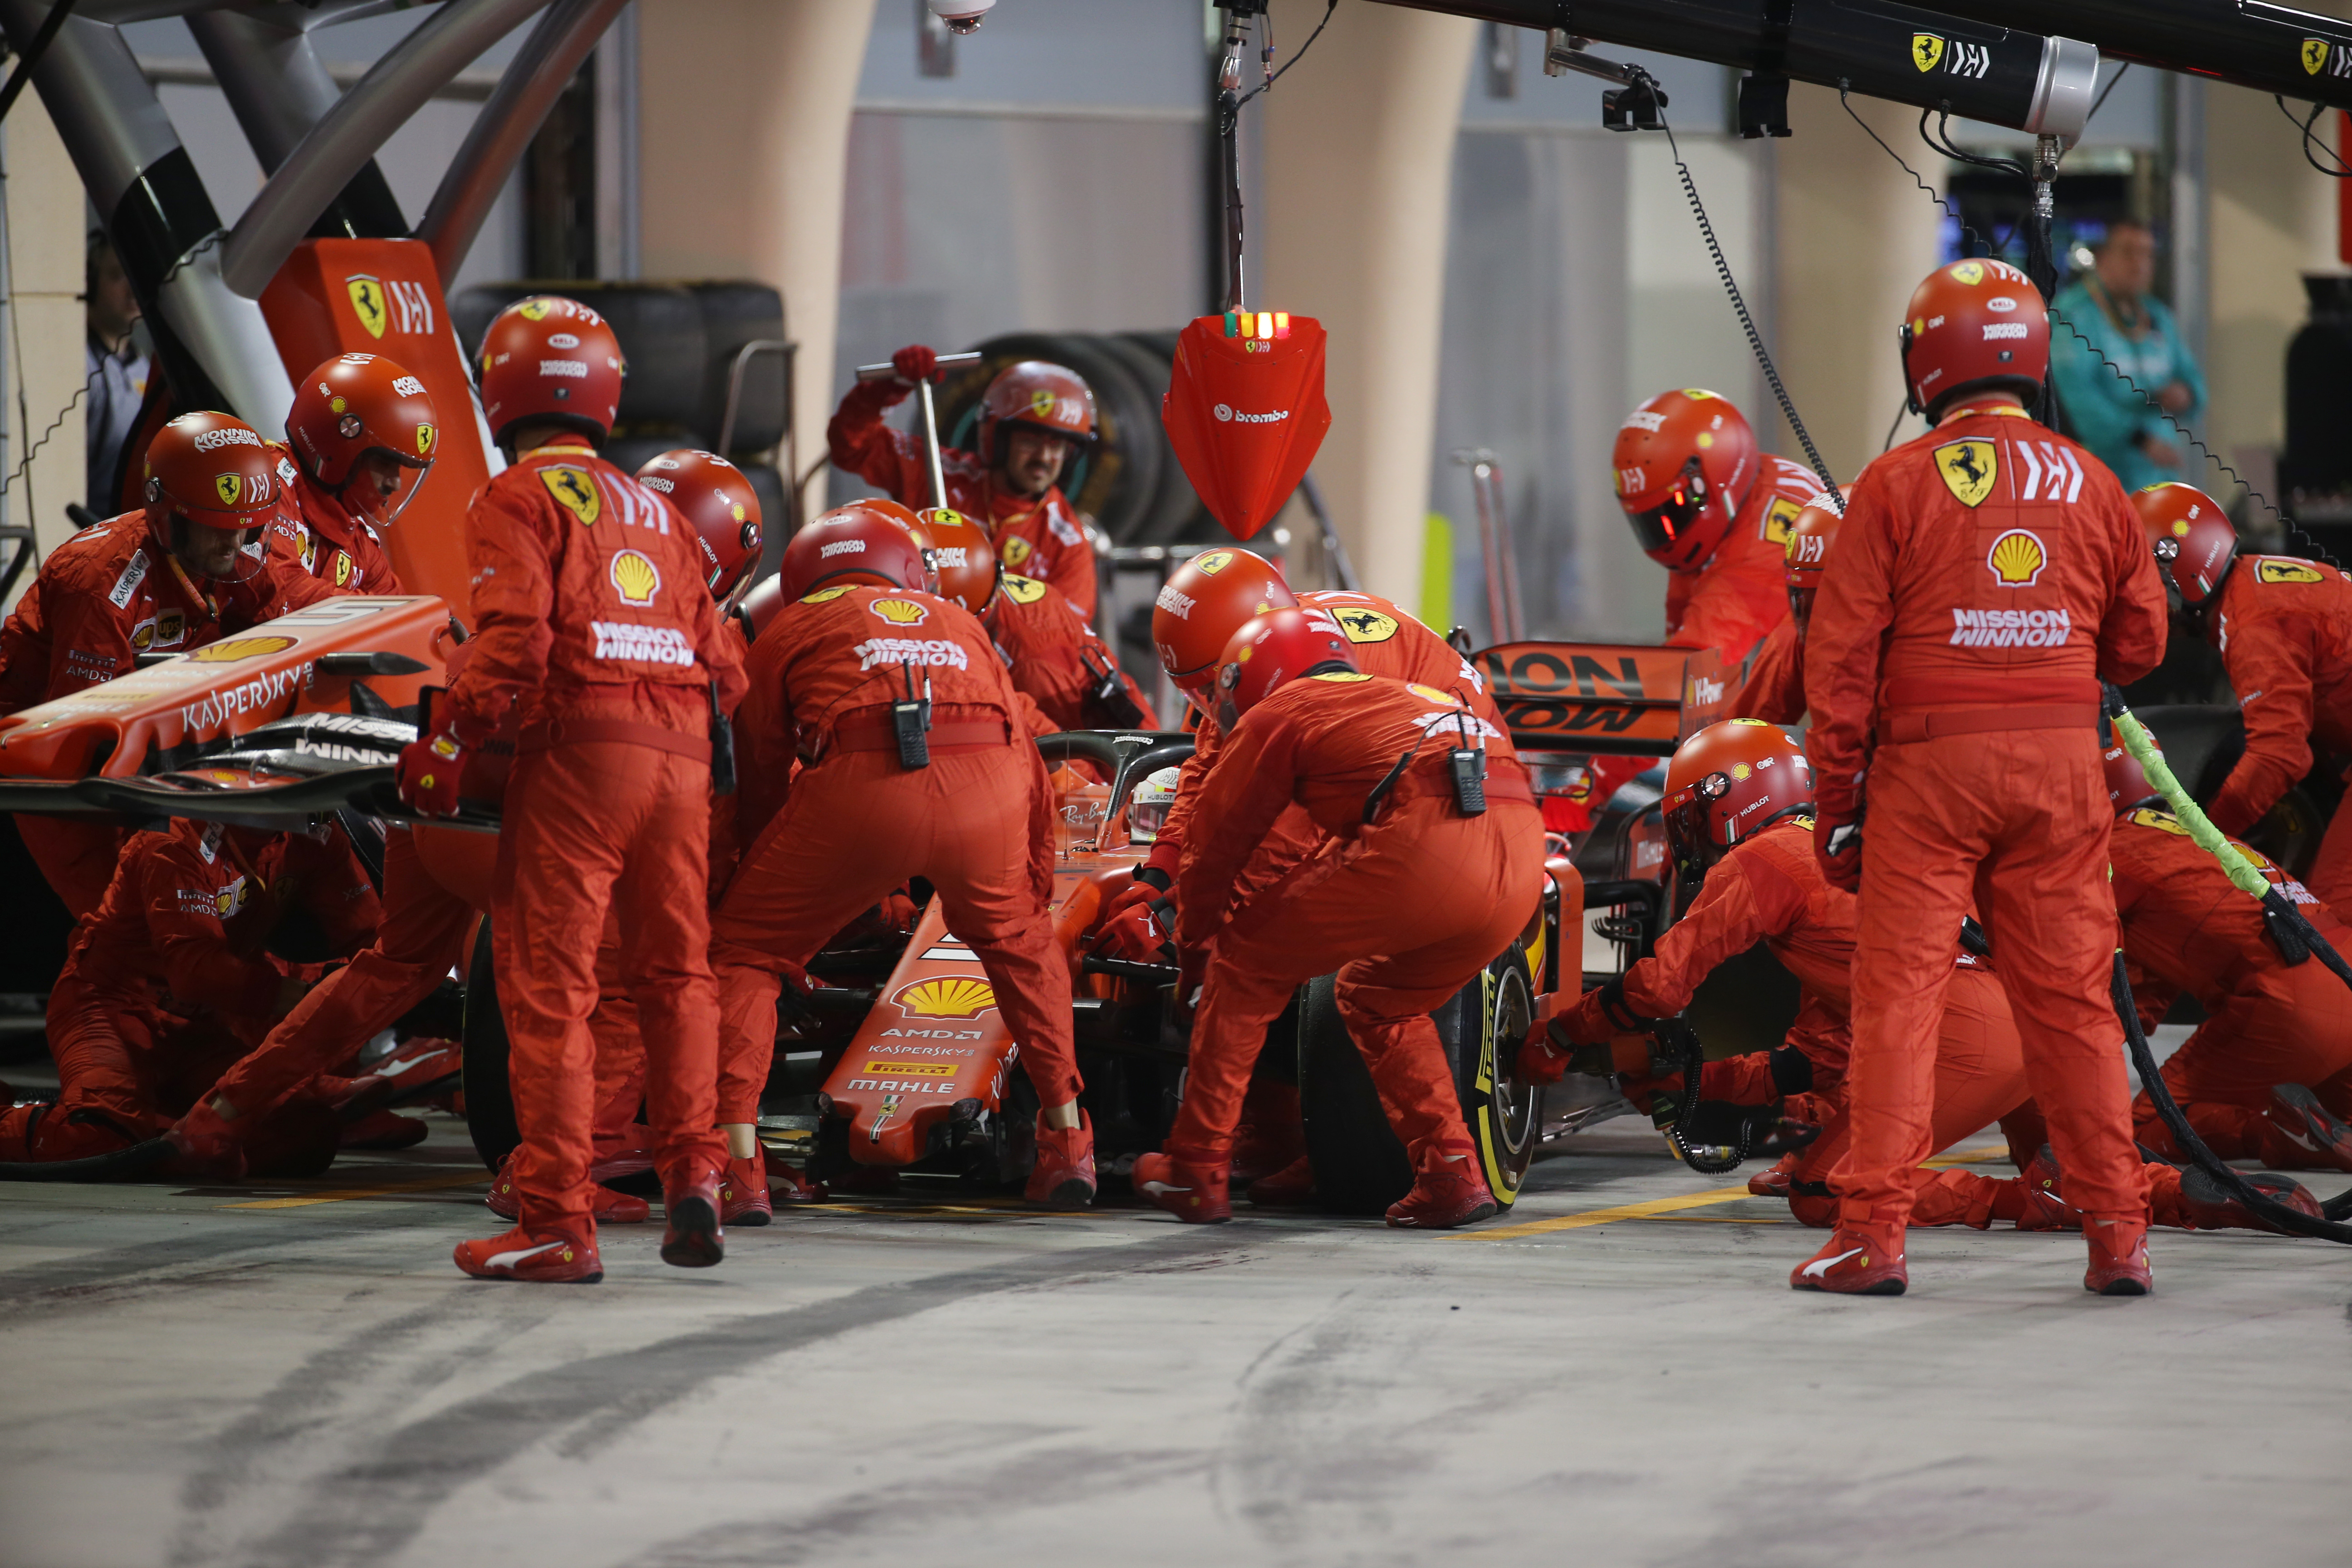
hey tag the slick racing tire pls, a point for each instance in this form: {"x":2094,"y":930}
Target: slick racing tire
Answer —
{"x":490,"y":1097}
{"x":1359,"y":1166}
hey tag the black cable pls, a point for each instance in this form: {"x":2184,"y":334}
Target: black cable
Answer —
{"x":1694,"y":1059}
{"x":55,"y":424}
{"x":2169,"y":1111}
{"x":50,"y":27}
{"x":2342,"y":170}
{"x":2101,"y":101}
{"x":2059,"y":318}
{"x":1731,"y":287}
{"x":1235,"y":117}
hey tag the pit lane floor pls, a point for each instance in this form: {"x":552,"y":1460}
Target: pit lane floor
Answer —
{"x":295,"y":1377}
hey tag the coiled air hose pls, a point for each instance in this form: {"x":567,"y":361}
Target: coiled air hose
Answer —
{"x":2297,"y":942}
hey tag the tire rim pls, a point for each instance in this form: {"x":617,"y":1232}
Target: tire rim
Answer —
{"x":1513,"y":1107}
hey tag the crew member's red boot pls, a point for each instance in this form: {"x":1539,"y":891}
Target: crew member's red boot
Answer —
{"x":2042,"y":1205}
{"x":2198,"y":1202}
{"x":1064,"y":1175}
{"x":1292,"y":1188}
{"x":609,"y":1207}
{"x":1194,"y":1190}
{"x":1772,"y":1181}
{"x":540,"y":1257}
{"x":1449,"y":1190}
{"x":1271,"y":1133}
{"x":384,"y":1130}
{"x":694,"y":1237}
{"x":1857,"y":1260}
{"x":2118,"y":1258}
{"x":2302,"y":1135}
{"x":743,"y":1191}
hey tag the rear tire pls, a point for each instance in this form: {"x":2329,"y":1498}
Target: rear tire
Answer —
{"x":1359,"y":1166}
{"x":489,"y":1096}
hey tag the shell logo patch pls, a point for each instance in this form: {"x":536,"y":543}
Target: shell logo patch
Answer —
{"x":240,"y":648}
{"x":574,"y":491}
{"x":342,"y":569}
{"x":307,"y":551}
{"x":824,"y":596}
{"x":1337,"y":677}
{"x":1208,"y":563}
{"x":2315,"y":56}
{"x":2270,"y":569}
{"x":367,"y":302}
{"x":946,"y":996}
{"x":2016,"y":558}
{"x":1780,"y":521}
{"x":142,"y":636}
{"x":900,"y":612}
{"x":1023,"y":590}
{"x":1017,"y":550}
{"x":635,"y":577}
{"x":1968,"y":468}
{"x":1366,"y":625}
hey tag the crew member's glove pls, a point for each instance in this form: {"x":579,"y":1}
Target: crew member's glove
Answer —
{"x":899,"y":910}
{"x":1838,"y":847}
{"x":1140,"y":924}
{"x":1542,"y":1058}
{"x":427,"y":775}
{"x":915,"y":362}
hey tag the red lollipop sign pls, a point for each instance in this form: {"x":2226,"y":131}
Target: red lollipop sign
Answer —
{"x":1245,"y":410}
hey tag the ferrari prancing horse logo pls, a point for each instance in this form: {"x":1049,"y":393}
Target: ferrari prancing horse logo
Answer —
{"x":1925,"y":51}
{"x":367,"y":300}
{"x":1969,"y":469}
{"x":574,"y":491}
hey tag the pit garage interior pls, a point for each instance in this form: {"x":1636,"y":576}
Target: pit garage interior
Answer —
{"x":769,"y":197}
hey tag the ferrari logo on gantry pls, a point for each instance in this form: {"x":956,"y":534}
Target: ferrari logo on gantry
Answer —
{"x":367,"y":299}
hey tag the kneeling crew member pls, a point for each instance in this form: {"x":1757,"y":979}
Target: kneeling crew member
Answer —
{"x":2285,"y":630}
{"x":1438,"y":867}
{"x":2268,"y":1075}
{"x":360,"y":428}
{"x":595,"y":625}
{"x":917,"y":764}
{"x":1987,"y":577}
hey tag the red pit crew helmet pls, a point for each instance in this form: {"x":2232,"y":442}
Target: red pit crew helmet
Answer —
{"x":551,"y":358}
{"x":964,"y":558}
{"x":2128,"y":787}
{"x":1685,"y":462}
{"x":851,"y":545}
{"x":212,"y":470}
{"x":714,"y":497}
{"x":2194,"y":540}
{"x":1044,"y":396}
{"x":1728,"y":783}
{"x":1973,"y":326}
{"x":1810,"y":537}
{"x":357,"y":404}
{"x":1273,"y":650}
{"x":1203,"y":603}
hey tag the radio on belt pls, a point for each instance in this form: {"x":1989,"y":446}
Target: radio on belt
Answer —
{"x":912,"y":720}
{"x":1468,"y":764}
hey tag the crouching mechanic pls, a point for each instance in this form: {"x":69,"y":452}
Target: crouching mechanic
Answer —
{"x":1434,"y":864}
{"x":1070,"y":679}
{"x":169,"y":981}
{"x":917,"y":763}
{"x":1774,"y":690}
{"x":190,"y":568}
{"x":2284,"y":627}
{"x":2268,"y":1075}
{"x":595,"y":627}
{"x":1033,"y":417}
{"x":1738,"y":806}
{"x":1987,"y":576}
{"x":360,"y":428}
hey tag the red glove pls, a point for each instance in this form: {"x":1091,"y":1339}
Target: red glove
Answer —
{"x":1838,"y":847}
{"x":915,"y":362}
{"x":898,"y":911}
{"x":427,"y":773}
{"x":1141,"y":934}
{"x":1542,"y":1060}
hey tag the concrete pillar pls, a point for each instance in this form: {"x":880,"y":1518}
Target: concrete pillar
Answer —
{"x":743,"y":112}
{"x":47,"y":239}
{"x":1358,"y":169}
{"x":2272,"y":219}
{"x":1854,"y":236}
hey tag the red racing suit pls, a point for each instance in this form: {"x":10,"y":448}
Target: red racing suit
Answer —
{"x":2187,"y":928}
{"x":2284,"y":629}
{"x":595,"y":627}
{"x":102,"y":598}
{"x":319,"y":537}
{"x":854,"y":824}
{"x":1387,"y":642}
{"x":1405,"y":909}
{"x":1057,"y":661}
{"x":1987,"y":576}
{"x":1037,"y":536}
{"x":169,"y":980}
{"x":1775,"y":687}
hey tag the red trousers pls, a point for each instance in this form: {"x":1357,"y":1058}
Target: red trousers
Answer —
{"x":2016,"y":823}
{"x":422,"y":938}
{"x":1406,"y":915}
{"x":76,"y":854}
{"x":126,"y":1070}
{"x":591,"y":826}
{"x":2286,"y":1025}
{"x":854,"y":827}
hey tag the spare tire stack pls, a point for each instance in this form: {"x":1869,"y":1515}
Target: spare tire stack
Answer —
{"x":682,"y":341}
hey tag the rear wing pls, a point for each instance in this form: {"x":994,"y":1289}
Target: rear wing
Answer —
{"x":1605,"y":699}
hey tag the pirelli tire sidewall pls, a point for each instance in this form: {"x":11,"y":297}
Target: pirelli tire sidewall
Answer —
{"x":489,"y":1096}
{"x":1482,"y":1029}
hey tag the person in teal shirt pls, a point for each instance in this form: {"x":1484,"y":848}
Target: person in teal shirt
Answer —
{"x":2111,"y":305}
